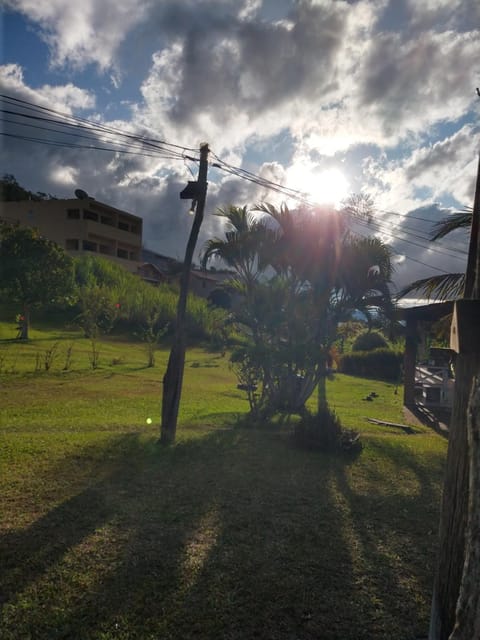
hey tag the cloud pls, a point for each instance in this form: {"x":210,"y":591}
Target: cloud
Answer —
{"x":331,"y":79}
{"x":66,"y":97}
{"x":443,"y":172}
{"x":82,"y":33}
{"x":409,"y":86}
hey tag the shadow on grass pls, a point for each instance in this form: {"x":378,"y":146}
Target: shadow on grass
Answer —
{"x":233,"y":535}
{"x":396,"y":535}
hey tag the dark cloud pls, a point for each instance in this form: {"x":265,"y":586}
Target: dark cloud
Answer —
{"x":231,"y":63}
{"x":412,"y":84}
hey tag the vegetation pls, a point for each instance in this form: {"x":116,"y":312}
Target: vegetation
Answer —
{"x":368,"y":341}
{"x":231,"y":533}
{"x":33,"y":271}
{"x":102,"y":296}
{"x":300,"y":273}
{"x":447,"y":286}
{"x":11,"y":191}
{"x":382,"y":364}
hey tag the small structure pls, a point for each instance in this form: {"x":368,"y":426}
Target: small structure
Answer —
{"x":434,"y":378}
{"x":428,"y":372}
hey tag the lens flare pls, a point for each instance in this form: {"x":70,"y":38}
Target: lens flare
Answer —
{"x":149,"y":421}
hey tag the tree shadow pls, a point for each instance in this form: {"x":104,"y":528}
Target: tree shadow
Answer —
{"x":396,"y":532}
{"x":230,"y":535}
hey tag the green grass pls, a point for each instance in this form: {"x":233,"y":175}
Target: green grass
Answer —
{"x":231,"y":533}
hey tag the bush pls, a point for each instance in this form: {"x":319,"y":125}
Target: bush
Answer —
{"x":383,"y":364}
{"x":323,"y":432}
{"x":320,"y":431}
{"x":369,"y":341}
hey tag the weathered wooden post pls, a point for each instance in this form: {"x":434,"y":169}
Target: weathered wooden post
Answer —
{"x":173,"y":379}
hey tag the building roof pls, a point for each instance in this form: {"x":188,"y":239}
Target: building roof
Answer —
{"x":427,"y":312}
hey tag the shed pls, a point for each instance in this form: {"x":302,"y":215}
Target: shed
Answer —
{"x":431,"y":380}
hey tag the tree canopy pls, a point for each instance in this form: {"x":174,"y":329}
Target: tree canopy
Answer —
{"x":33,"y":270}
{"x":11,"y":191}
{"x":300,"y":273}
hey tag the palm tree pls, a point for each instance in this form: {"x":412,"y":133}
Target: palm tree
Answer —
{"x":448,"y":286}
{"x":293,"y":316}
{"x":240,"y":249}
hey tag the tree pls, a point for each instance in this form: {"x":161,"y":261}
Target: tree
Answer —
{"x":33,"y":270}
{"x":11,"y":191}
{"x":292,"y":268}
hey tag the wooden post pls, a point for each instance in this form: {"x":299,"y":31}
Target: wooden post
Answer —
{"x":409,"y":362}
{"x":467,"y":624}
{"x":455,"y":502}
{"x":173,"y":379}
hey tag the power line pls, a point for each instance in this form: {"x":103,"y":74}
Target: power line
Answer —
{"x":71,"y":145}
{"x":68,"y":119}
{"x":133,"y":145}
{"x":407,"y":257}
{"x":382,"y":229}
{"x":294,"y":194}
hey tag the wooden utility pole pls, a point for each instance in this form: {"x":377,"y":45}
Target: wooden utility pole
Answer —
{"x":453,"y":540}
{"x":173,"y":379}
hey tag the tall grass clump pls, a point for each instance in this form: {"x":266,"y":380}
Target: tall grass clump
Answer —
{"x":131,"y":305}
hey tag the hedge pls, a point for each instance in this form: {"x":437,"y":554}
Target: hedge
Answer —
{"x":382,"y":364}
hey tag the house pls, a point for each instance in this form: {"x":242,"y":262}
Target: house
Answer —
{"x":82,"y":225}
{"x":158,"y":269}
{"x":213,"y":285}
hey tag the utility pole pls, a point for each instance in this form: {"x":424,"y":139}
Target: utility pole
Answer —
{"x":173,"y":379}
{"x":456,"y":537}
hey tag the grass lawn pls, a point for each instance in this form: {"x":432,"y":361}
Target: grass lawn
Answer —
{"x":231,"y":534}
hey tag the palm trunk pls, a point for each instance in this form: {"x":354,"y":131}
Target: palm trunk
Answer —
{"x":322,"y":404}
{"x":24,"y":324}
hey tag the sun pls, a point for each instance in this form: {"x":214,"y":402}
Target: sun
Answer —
{"x":324,"y":186}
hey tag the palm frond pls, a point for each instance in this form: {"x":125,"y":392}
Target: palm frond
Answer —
{"x":458,"y":220}
{"x":447,"y":286}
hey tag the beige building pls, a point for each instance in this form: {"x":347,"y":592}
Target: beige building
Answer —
{"x":82,"y":225}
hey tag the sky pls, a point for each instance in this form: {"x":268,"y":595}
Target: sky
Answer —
{"x":324,"y":97}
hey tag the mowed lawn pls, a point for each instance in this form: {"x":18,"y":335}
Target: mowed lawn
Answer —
{"x":232,"y":533}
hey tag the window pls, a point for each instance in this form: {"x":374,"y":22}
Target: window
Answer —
{"x":89,"y":246}
{"x":104,"y":248}
{"x":122,"y":253}
{"x":135,"y":228}
{"x":73,"y":214}
{"x":90,"y":215}
{"x":123,"y":226}
{"x":107,"y":220}
{"x":71,"y":244}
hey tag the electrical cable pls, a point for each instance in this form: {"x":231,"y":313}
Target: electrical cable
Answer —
{"x":156,"y":149}
{"x":34,"y":107}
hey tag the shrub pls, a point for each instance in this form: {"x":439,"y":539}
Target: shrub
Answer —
{"x":369,"y":341}
{"x":383,"y":364}
{"x":324,"y":432}
{"x":320,"y":431}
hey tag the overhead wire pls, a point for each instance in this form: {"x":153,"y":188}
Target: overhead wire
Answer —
{"x":127,"y":143}
{"x":84,"y":136}
{"x":71,"y":145}
{"x":452,"y":253}
{"x":84,"y":121}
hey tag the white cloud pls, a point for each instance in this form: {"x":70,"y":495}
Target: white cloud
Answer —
{"x":318,"y":72}
{"x":80,"y":33}
{"x":66,"y":97}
